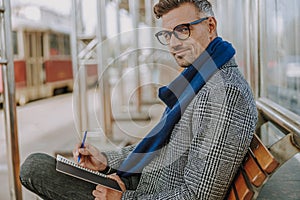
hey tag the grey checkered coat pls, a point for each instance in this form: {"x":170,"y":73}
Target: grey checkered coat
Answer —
{"x":206,"y":146}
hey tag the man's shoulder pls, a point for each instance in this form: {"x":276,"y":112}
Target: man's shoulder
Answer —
{"x":229,"y":75}
{"x":230,"y":63}
{"x":227,"y":79}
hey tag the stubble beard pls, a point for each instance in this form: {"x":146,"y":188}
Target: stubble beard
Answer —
{"x":184,"y":62}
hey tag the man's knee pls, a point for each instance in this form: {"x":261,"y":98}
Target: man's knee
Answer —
{"x":34,"y":167}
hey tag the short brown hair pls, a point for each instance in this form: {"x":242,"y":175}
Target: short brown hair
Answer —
{"x":164,"y":6}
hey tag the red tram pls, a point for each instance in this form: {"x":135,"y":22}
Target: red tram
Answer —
{"x":42,"y":56}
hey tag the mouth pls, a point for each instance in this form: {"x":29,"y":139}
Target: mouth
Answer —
{"x":180,"y":53}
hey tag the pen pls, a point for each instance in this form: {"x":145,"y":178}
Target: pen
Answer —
{"x":82,"y":145}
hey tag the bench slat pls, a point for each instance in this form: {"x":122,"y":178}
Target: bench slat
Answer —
{"x":231,"y":195}
{"x":242,"y":189}
{"x":265,"y":159}
{"x":258,"y":164}
{"x":254,"y":173}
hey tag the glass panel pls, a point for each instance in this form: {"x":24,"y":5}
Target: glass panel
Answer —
{"x":287,"y":178}
{"x":232,"y":26}
{"x":66,"y":45}
{"x":54,"y":50}
{"x":270,"y":134}
{"x":280,"y":52}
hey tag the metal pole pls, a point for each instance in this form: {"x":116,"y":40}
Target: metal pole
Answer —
{"x":254,"y":46}
{"x":258,"y":85}
{"x":74,"y":51}
{"x":118,"y":53}
{"x":79,"y":75}
{"x":10,"y":114}
{"x":151,"y":24}
{"x":106,"y":116}
{"x":134,"y":6}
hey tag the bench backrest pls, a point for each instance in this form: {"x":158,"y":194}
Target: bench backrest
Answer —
{"x":259,"y":164}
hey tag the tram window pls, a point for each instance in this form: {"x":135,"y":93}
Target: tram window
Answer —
{"x":280,"y":52}
{"x":15,"y":42}
{"x":54,"y":45}
{"x":66,"y":39}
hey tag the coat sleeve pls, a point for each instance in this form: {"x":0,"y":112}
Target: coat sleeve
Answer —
{"x":115,"y":158}
{"x":223,"y":123}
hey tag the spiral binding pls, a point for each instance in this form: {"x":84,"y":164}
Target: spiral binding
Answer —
{"x":69,"y":162}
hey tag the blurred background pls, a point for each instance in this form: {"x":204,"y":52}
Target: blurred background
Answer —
{"x":96,"y":65}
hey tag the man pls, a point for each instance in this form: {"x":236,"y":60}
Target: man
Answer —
{"x":201,"y":139}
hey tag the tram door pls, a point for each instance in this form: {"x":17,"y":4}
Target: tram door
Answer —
{"x":34,"y":59}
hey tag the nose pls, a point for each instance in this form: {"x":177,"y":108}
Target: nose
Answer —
{"x":174,"y":42}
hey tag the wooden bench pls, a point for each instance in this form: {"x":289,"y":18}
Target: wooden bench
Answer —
{"x":259,"y":165}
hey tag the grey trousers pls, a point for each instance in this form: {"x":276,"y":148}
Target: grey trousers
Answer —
{"x":38,"y":175}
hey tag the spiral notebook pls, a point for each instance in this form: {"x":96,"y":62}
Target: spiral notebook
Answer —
{"x":69,"y":167}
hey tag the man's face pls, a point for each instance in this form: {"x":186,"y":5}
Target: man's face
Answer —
{"x":186,"y":51}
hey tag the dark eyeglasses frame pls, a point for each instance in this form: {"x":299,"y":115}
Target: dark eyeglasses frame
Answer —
{"x":174,"y":32}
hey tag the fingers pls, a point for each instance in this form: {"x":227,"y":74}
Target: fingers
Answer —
{"x":100,"y":192}
{"x":101,"y":189}
{"x":75,"y":151}
{"x":85,"y":151}
{"x":106,"y":193}
{"x":97,"y":194}
{"x":88,"y":149}
{"x":119,"y":181}
{"x":90,"y":157}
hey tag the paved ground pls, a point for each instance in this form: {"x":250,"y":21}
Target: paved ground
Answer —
{"x":285,"y":183}
{"x":50,"y":128}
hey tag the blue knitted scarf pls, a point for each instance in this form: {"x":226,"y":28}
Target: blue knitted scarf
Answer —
{"x":177,"y":96}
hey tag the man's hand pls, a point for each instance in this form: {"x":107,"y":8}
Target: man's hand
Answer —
{"x":104,"y":193}
{"x":91,"y":157}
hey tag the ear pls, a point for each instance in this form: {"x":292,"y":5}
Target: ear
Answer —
{"x":212,"y":26}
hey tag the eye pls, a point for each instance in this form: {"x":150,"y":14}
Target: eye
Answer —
{"x":182,"y":29}
{"x":165,"y":34}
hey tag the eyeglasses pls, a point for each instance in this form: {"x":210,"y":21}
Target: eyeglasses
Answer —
{"x":181,"y":32}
